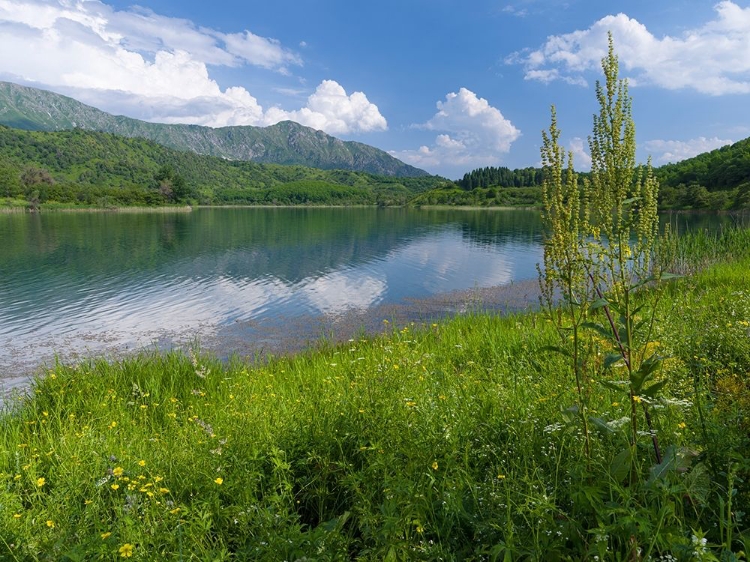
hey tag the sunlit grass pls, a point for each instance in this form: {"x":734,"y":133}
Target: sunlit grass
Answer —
{"x":446,"y":441}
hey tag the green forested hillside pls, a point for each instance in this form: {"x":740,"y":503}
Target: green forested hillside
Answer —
{"x":104,"y":169}
{"x":719,"y":179}
{"x":283,"y":143}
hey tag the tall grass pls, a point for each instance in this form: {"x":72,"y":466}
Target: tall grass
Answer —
{"x":451,"y":441}
{"x":698,"y":249}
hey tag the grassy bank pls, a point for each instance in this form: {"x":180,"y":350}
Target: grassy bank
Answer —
{"x":450,"y":442}
{"x":18,"y":206}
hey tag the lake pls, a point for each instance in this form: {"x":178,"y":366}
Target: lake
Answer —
{"x":247,"y":281}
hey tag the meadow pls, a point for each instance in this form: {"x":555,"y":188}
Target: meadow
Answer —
{"x":456,"y":440}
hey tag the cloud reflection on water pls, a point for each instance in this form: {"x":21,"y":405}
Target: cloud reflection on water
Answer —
{"x":196,"y":297}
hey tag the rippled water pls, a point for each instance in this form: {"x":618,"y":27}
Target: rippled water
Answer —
{"x":78,"y":284}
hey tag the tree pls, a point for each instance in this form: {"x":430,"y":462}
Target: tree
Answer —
{"x":171,"y":185}
{"x":33,"y":177}
{"x":10,"y":184}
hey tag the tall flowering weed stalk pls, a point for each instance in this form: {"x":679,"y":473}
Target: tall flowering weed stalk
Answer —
{"x":565,"y":251}
{"x":600,"y":244}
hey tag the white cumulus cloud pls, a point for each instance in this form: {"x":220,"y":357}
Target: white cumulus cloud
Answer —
{"x":581,"y":157}
{"x":471,"y":133}
{"x":673,"y":151}
{"x":330,"y":109}
{"x":145,"y":65}
{"x":713,"y":59}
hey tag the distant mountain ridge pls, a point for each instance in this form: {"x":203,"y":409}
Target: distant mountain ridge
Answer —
{"x":287,"y":142}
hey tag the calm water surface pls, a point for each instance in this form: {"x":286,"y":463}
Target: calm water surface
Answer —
{"x":242,"y":281}
{"x":78,"y":284}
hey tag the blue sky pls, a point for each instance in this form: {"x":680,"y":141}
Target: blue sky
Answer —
{"x":445,"y":85}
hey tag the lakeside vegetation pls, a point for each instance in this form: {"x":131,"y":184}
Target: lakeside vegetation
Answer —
{"x":455,"y":441}
{"x":79,"y":168}
{"x":718,"y":180}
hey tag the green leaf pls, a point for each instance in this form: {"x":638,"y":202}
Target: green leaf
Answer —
{"x":674,"y":459}
{"x":644,"y":282}
{"x":653,"y":389}
{"x":622,"y":386}
{"x":647,"y":368}
{"x":612,"y":359}
{"x":631,"y":200}
{"x":601,"y":425}
{"x":621,"y":465}
{"x":667,"y":464}
{"x":598,"y":328}
{"x":598,"y":303}
{"x":670,"y":276}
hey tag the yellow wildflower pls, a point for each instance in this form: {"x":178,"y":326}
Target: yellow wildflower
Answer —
{"x":126,"y":550}
{"x":40,"y":482}
{"x":118,"y":471}
{"x":115,"y":486}
{"x":50,"y":524}
{"x":434,"y":465}
{"x":141,"y":463}
{"x":16,"y":515}
{"x":219,"y":481}
{"x":106,"y":535}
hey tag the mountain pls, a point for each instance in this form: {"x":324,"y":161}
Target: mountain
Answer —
{"x":94,"y":168}
{"x":287,"y":142}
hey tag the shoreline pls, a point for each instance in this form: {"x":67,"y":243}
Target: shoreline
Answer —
{"x":7,"y":210}
{"x":73,"y":209}
{"x":258,"y":341}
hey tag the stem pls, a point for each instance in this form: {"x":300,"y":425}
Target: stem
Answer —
{"x":654,"y":438}
{"x":576,"y":366}
{"x":626,"y":359}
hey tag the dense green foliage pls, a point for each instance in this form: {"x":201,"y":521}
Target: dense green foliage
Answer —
{"x":83,"y":167}
{"x":717,"y":180}
{"x":443,"y":443}
{"x":502,"y":177}
{"x":481,"y":197}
